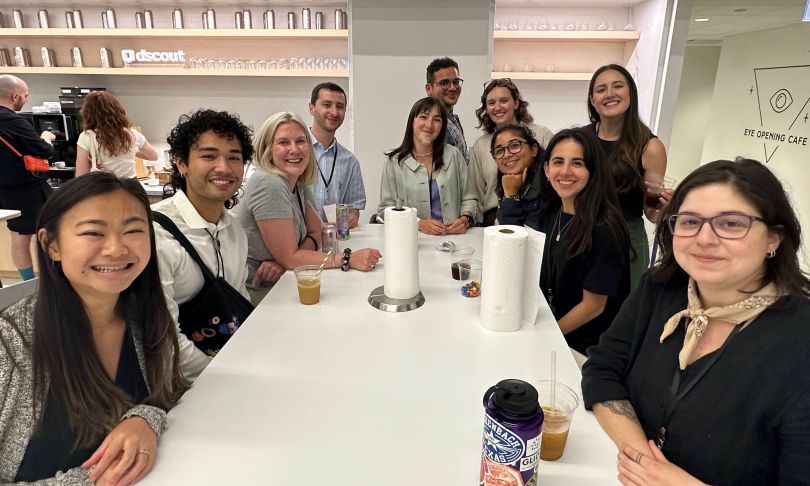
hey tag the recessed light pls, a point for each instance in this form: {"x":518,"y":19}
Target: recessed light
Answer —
{"x":740,"y":10}
{"x":702,"y":19}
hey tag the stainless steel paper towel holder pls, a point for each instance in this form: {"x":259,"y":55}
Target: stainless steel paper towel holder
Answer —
{"x":378,"y":300}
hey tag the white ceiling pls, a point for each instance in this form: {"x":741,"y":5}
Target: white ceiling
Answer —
{"x":732,"y":17}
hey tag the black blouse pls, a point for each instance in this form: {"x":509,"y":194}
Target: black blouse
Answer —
{"x":51,"y":448}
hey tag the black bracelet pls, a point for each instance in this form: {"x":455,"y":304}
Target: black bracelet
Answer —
{"x":344,"y":260}
{"x":309,"y":237}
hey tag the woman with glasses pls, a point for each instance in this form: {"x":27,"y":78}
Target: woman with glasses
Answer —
{"x":585,"y":269}
{"x":501,"y":105}
{"x":519,"y":158}
{"x":633,"y":153}
{"x":702,"y":378}
{"x":428,"y":174}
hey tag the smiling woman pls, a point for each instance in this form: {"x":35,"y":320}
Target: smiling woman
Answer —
{"x":282,"y":226}
{"x":719,"y":327}
{"x":428,"y":174}
{"x":93,"y":357}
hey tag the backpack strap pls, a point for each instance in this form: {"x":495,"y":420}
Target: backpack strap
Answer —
{"x":178,"y":235}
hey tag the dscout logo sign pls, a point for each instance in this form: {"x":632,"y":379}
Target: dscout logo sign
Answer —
{"x":130,"y":56}
{"x":501,"y":445}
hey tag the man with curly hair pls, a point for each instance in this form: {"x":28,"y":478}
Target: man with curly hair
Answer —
{"x":209,"y":150}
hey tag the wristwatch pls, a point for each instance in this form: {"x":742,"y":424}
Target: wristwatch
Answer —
{"x":470,"y":220}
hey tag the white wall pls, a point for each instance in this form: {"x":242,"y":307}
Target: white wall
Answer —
{"x":741,"y":102}
{"x":693,"y":109}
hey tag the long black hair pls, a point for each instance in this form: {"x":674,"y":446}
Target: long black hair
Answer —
{"x":526,"y":134}
{"x":625,"y":158}
{"x":405,"y":149}
{"x":597,"y":204}
{"x":64,"y":356}
{"x":755,"y":183}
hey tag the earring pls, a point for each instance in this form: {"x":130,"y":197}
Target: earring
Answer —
{"x":771,"y":254}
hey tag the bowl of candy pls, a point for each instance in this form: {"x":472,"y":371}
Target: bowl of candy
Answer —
{"x":470,"y":273}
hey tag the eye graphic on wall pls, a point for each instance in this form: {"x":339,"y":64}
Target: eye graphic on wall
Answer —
{"x":781,"y":100}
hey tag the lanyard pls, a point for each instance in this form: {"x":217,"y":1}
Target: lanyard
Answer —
{"x":676,"y":396}
{"x":332,"y":173}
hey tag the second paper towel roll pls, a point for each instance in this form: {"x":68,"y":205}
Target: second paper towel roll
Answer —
{"x":401,"y":253}
{"x":502,"y":279}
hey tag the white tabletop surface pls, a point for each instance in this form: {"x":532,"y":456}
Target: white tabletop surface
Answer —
{"x":9,"y":214}
{"x":340,"y":393}
{"x":152,"y":190}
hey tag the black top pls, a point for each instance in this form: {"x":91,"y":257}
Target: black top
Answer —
{"x":19,"y":133}
{"x":603,"y":269}
{"x":527,"y":209}
{"x":51,"y":448}
{"x":746,"y":421}
{"x":632,"y":201}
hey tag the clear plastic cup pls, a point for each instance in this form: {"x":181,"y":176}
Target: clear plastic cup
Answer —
{"x":557,"y":412}
{"x":457,"y":254}
{"x":470,"y":273}
{"x":309,"y":284}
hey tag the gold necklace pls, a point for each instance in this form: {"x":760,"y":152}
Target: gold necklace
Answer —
{"x":421,"y":155}
{"x":557,"y":225}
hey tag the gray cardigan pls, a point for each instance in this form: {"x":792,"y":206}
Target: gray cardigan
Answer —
{"x":16,"y":395}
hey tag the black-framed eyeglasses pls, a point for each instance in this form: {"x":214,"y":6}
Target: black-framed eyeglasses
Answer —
{"x":499,"y":81}
{"x":514,"y":147}
{"x":729,"y":226}
{"x":445,"y":83}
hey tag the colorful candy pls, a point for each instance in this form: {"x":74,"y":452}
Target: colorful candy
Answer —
{"x":471,"y":289}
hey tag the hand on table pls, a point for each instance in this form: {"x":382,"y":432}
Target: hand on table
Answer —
{"x":457,"y":226}
{"x":268,"y":271}
{"x":430,"y":226}
{"x":650,"y":467}
{"x":354,"y":218}
{"x":125,"y":455}
{"x":364,"y":260}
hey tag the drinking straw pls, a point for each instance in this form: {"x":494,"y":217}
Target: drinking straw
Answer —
{"x":554,"y":379}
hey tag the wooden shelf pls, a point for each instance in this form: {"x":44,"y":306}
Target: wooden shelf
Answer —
{"x":264,"y":34}
{"x":568,"y":35}
{"x":164,"y":71}
{"x":543,"y":76}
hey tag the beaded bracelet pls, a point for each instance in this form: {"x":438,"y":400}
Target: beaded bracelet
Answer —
{"x":344,"y":260}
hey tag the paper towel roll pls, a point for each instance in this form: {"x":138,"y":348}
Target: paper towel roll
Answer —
{"x":401,"y":263}
{"x":502,"y":278}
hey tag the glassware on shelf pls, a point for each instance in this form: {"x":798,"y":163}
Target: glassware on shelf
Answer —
{"x":542,"y":26}
{"x":550,"y":68}
{"x":570,"y":25}
{"x":602,"y":25}
{"x":507,"y":68}
{"x":585,"y":26}
{"x":528,"y":68}
{"x":513,"y":23}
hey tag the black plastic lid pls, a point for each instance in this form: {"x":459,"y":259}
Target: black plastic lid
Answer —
{"x":513,"y":398}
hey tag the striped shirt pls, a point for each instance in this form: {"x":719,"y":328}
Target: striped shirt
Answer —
{"x":339,"y":180}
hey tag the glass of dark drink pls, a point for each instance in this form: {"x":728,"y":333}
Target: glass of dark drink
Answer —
{"x":458,"y":255}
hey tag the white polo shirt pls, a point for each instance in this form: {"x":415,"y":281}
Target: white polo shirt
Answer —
{"x":180,"y":276}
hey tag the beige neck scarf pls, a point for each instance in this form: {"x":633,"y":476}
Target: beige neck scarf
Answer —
{"x":698,"y":317}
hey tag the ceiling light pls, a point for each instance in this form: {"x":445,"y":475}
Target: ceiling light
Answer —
{"x":705,"y":19}
{"x":740,"y":10}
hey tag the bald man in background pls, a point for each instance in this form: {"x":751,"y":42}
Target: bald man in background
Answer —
{"x":19,"y":188}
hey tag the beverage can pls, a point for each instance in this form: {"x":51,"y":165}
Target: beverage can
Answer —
{"x":342,"y":220}
{"x":329,"y":238}
{"x":513,"y":421}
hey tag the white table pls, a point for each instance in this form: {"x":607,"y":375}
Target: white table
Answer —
{"x":341,"y":393}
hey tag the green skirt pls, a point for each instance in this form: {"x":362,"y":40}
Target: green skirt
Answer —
{"x":638,"y":238}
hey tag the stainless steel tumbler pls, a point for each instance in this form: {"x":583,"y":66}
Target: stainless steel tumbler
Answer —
{"x":238,"y":21}
{"x":139,"y":20}
{"x":339,"y":19}
{"x":247,"y":19}
{"x":106,"y":57}
{"x":111,"y":23}
{"x":319,"y":20}
{"x":148,"y":19}
{"x":21,"y":57}
{"x":306,"y":19}
{"x":76,"y":57}
{"x":5,"y":57}
{"x":42,"y":15}
{"x":48,"y":57}
{"x":69,"y":23}
{"x":290,"y":20}
{"x":211,"y":16}
{"x":17,"y":17}
{"x":269,"y":19}
{"x":78,"y":19}
{"x":177,"y":18}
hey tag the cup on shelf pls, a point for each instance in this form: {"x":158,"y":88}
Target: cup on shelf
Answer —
{"x":59,"y":164}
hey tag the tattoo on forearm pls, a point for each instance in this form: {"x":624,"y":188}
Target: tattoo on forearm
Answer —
{"x":621,"y":407}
